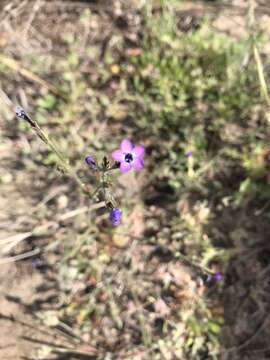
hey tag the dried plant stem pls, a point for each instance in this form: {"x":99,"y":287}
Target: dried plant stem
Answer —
{"x":261,"y":74}
{"x":63,"y":162}
{"x":65,"y":350}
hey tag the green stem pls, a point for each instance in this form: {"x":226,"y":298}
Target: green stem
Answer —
{"x":62,"y":160}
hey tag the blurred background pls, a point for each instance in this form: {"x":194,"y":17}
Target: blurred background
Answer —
{"x":189,"y":81}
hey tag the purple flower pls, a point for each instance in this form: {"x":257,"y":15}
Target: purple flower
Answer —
{"x":115,"y":216}
{"x":189,"y":153}
{"x":129,"y":156}
{"x":37,"y":262}
{"x":215,"y":277}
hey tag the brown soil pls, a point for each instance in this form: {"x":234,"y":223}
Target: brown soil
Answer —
{"x":20,"y":282}
{"x":18,"y":286}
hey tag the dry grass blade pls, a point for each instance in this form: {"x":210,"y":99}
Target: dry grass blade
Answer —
{"x":12,"y":241}
{"x":92,"y":352}
{"x":19,"y":257}
{"x":81,"y":210}
{"x":261,"y":75}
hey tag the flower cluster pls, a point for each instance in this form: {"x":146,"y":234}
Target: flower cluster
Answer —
{"x":126,"y":158}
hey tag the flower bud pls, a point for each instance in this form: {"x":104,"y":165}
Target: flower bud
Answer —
{"x":92,"y":162}
{"x":115,"y":216}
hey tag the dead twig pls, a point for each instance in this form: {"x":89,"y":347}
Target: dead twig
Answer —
{"x":19,"y":257}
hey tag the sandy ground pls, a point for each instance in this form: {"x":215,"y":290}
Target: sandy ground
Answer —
{"x":19,"y":281}
{"x":17,"y":286}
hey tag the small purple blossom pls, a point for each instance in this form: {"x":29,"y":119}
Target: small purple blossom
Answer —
{"x":189,"y":153}
{"x":115,"y":216}
{"x":215,"y":277}
{"x":37,"y":262}
{"x":128,"y":156}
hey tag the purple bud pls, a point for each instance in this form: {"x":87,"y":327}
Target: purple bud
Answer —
{"x":91,"y":161}
{"x":215,"y":277}
{"x":37,"y":262}
{"x":20,"y":112}
{"x":115,"y":216}
{"x":189,"y":153}
{"x":116,"y":165}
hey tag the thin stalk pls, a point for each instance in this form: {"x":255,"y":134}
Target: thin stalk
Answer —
{"x":64,"y":163}
{"x":261,"y":74}
{"x":45,"y":138}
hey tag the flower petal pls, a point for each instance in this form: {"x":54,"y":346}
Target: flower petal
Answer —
{"x":125,"y":167}
{"x":118,"y":155}
{"x":126,"y":146}
{"x":138,"y":151}
{"x":138,"y":164}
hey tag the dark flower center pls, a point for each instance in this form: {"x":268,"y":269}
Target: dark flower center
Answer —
{"x":128,"y":158}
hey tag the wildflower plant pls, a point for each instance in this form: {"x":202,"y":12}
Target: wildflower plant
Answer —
{"x":125,"y":158}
